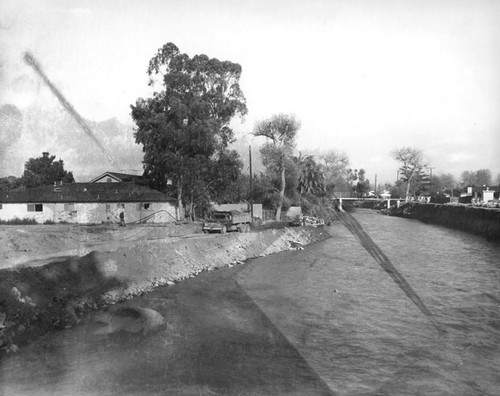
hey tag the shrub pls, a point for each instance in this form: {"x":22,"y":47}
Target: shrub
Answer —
{"x":17,"y":221}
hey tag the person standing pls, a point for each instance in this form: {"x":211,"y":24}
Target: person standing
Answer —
{"x":122,"y":218}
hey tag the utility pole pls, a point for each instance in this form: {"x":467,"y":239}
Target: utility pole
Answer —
{"x":375,"y":184}
{"x":251,"y":191}
{"x":430,"y":169}
{"x":430,"y":176}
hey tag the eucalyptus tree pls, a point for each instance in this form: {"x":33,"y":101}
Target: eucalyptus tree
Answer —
{"x":280,"y":131}
{"x":184,"y":127}
{"x":411,"y":170}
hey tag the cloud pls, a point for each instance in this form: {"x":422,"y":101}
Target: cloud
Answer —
{"x":460,"y":157}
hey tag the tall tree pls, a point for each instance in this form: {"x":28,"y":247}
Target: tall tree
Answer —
{"x":481,"y":177}
{"x":44,"y":170}
{"x":184,"y":126}
{"x":467,"y":178}
{"x":445,"y":182}
{"x":336,"y":170}
{"x":412,"y":166}
{"x":280,"y":131}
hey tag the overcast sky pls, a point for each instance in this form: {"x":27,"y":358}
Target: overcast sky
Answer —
{"x":364,"y":77}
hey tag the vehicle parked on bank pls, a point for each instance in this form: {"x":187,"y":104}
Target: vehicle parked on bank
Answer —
{"x":228,"y":221}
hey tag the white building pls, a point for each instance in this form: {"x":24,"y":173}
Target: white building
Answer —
{"x":88,"y":203}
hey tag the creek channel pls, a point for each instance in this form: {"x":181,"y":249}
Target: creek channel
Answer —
{"x":324,"y":320}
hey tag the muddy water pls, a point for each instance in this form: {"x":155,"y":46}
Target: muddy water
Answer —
{"x":326,"y":318}
{"x":360,"y":332}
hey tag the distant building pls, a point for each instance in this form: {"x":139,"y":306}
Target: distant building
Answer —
{"x":88,"y":203}
{"x":482,"y":193}
{"x":385,"y":194}
{"x":115,"y":177}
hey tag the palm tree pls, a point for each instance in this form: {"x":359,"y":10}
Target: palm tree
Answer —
{"x":311,"y":178}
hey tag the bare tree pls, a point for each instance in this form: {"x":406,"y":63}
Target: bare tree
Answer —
{"x":411,"y":165}
{"x":336,"y":168}
{"x":280,"y":131}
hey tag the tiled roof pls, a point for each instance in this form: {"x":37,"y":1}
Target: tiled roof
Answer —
{"x":85,"y":193}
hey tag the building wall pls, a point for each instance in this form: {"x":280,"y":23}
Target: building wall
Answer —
{"x":488,"y":195}
{"x":92,"y":213}
{"x":106,"y":179}
{"x":20,"y":211}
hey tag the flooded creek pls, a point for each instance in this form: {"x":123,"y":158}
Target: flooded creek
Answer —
{"x":326,"y":319}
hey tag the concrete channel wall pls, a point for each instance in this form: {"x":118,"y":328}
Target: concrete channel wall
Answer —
{"x":477,"y":220}
{"x":58,"y":295}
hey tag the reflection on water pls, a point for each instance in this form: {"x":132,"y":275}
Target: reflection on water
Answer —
{"x":362,"y":334}
{"x":342,"y":316}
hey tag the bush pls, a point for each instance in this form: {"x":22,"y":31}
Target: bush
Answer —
{"x":320,"y":207}
{"x":17,"y":221}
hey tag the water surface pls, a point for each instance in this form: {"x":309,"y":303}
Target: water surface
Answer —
{"x":324,"y":319}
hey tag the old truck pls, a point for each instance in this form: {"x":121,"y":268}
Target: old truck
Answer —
{"x":228,"y":221}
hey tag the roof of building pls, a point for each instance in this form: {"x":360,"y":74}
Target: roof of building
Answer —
{"x":84,"y":193}
{"x":120,"y":177}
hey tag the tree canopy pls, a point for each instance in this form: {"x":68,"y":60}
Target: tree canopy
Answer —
{"x":280,"y":131}
{"x":311,"y":179}
{"x":479,"y":178}
{"x":411,"y":170}
{"x":44,"y":170}
{"x":184,"y":126}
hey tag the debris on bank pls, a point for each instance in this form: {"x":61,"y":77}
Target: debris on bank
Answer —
{"x":36,"y":300}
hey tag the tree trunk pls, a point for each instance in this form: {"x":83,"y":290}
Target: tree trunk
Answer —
{"x":180,"y":206}
{"x":282,"y":191}
{"x":408,"y":188}
{"x":191,"y":206}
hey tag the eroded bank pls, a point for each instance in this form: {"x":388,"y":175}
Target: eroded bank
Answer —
{"x":36,"y":300}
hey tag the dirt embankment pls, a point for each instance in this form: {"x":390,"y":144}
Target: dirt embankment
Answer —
{"x":35,"y":299}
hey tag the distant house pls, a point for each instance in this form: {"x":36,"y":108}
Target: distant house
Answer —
{"x":385,"y":194}
{"x":115,"y":177}
{"x":86,"y":203}
{"x":483,"y":193}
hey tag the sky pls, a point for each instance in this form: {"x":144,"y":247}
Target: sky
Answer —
{"x":364,"y":77}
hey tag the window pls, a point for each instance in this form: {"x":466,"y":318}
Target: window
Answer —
{"x":108,"y":207}
{"x":145,"y":206}
{"x":35,"y":208}
{"x":69,"y":207}
{"x":108,"y":180}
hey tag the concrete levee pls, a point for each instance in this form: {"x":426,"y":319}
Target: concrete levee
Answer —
{"x":476,"y":220}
